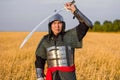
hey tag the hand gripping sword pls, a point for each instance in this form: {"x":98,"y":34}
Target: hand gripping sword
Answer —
{"x":34,"y":29}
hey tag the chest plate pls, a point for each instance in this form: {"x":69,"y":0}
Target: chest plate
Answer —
{"x":60,"y":56}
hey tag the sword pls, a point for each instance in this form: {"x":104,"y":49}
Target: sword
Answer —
{"x":36,"y":27}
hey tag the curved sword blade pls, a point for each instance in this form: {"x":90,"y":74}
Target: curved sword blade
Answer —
{"x":34,"y":29}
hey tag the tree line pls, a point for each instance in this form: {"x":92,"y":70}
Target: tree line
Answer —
{"x":107,"y":26}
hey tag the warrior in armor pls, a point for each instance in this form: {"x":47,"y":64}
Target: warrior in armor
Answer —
{"x":57,"y":47}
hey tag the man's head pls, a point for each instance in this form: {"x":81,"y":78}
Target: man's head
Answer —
{"x":56,"y":25}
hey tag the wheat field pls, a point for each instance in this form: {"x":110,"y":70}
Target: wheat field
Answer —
{"x":99,"y":59}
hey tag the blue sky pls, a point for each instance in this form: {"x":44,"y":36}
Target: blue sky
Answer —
{"x":24,"y":15}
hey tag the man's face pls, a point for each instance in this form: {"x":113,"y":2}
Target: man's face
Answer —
{"x":56,"y":27}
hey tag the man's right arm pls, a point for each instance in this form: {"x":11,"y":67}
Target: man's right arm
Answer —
{"x":39,"y":64}
{"x":40,"y":60}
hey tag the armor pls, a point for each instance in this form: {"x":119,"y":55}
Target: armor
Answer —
{"x":56,"y":17}
{"x":82,"y":18}
{"x":39,"y":72}
{"x":59,"y":56}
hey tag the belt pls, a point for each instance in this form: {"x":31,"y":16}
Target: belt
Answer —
{"x":53,"y":69}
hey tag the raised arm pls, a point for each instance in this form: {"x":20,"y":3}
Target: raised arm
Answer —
{"x":78,"y":14}
{"x":85,"y":23}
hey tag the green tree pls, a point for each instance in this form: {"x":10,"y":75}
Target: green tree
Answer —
{"x":107,"y":26}
{"x":97,"y":26}
{"x":116,"y":25}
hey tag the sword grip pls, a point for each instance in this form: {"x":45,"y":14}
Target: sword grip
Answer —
{"x":73,"y":2}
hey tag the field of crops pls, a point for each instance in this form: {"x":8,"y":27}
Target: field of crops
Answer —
{"x":99,"y":59}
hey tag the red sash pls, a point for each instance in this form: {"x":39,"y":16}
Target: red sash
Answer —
{"x":53,"y":69}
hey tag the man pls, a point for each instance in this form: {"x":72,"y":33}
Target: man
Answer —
{"x":57,"y":48}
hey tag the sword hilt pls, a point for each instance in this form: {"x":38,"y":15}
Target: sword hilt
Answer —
{"x":73,"y":2}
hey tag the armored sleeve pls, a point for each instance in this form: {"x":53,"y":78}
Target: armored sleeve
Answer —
{"x":40,"y":59}
{"x":74,"y":36}
{"x":82,"y":18}
{"x":84,"y":25}
{"x":39,"y":64}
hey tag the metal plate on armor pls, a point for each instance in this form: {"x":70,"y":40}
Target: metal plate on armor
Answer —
{"x":62,"y":62}
{"x":56,"y":52}
{"x":59,"y":56}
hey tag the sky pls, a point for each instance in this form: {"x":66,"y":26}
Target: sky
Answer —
{"x":24,"y":15}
